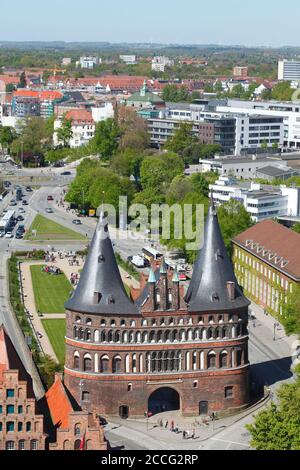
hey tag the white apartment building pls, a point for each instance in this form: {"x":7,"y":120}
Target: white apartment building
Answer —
{"x":261,"y":203}
{"x":88,"y":62}
{"x":128,"y":59}
{"x":83,"y":127}
{"x":289,"y":70}
{"x":160,"y":63}
{"x":101,"y":113}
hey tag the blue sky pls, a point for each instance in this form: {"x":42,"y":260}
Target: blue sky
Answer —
{"x":254,"y":22}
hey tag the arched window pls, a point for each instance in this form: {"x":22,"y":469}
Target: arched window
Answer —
{"x":77,"y":430}
{"x":87,"y":363}
{"x":182,"y":335}
{"x":10,"y":445}
{"x":22,"y":444}
{"x":113,"y":323}
{"x":200,"y":320}
{"x":103,"y":323}
{"x":131,"y":337}
{"x":153,"y":362}
{"x":117,"y":365}
{"x":89,"y":321}
{"x":104,"y":364}
{"x":66,"y":445}
{"x":81,"y":334}
{"x":125,"y":337}
{"x":174,"y":336}
{"x":159,"y":362}
{"x":75,"y":332}
{"x":145,"y":337}
{"x":117,"y":337}
{"x":210,"y":333}
{"x":103,"y":337}
{"x":144,"y":323}
{"x":86,"y":396}
{"x":127,"y":363}
{"x":134,"y":364}
{"x":132,"y":323}
{"x":138,"y":337}
{"x":211,"y":320}
{"x":190,"y":335}
{"x":194,"y":361}
{"x":77,"y":444}
{"x":96,"y":336}
{"x":110,"y":336}
{"x":123,"y":323}
{"x":223,"y":359}
{"x":76,"y":360}
{"x":239,"y":355}
{"x":211,"y":360}
{"x":148,"y":362}
{"x":34,"y":445}
{"x":78,"y":320}
{"x":167,"y":336}
{"x":159,"y":336}
{"x":88,"y":335}
{"x":152,"y":337}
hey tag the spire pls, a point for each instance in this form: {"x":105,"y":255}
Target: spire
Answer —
{"x":151,"y":279}
{"x":144,"y":88}
{"x":175,"y":276}
{"x":100,"y":289}
{"x":163,"y":267}
{"x":213,"y":285}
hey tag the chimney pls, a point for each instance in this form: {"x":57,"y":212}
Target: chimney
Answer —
{"x":231,"y":290}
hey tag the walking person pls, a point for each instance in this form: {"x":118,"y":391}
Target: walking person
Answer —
{"x":184,"y":435}
{"x":167,"y":424}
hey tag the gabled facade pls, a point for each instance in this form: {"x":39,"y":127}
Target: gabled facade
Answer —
{"x":167,"y":350}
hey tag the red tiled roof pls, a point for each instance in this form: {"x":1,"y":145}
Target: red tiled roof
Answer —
{"x":59,"y":404}
{"x":269,"y":238}
{"x":79,"y":115}
{"x":42,"y":95}
{"x":8,"y":79}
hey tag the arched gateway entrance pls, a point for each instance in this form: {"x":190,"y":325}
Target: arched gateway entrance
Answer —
{"x":164,"y":399}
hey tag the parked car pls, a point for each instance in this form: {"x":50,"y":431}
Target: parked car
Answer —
{"x":66,"y":173}
{"x":13,"y":203}
{"x":9,"y":235}
{"x":2,"y":234}
{"x":20,"y":218}
{"x":77,"y":222}
{"x":49,"y":210}
{"x":50,"y":198}
{"x":19,"y":235}
{"x":25,"y":203}
{"x":29,"y":189}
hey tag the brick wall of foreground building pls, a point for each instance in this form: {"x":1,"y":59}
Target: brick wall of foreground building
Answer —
{"x":21,"y":425}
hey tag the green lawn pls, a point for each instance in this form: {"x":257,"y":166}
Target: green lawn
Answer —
{"x":50,"y":291}
{"x":56,"y":331}
{"x":49,"y":230}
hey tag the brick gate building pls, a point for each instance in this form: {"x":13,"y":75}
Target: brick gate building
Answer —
{"x":168,"y":349}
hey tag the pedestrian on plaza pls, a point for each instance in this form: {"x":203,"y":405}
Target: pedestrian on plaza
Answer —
{"x":172,"y":425}
{"x":193,"y":434}
{"x":167,"y":424}
{"x":184,"y":434}
{"x":161,"y":424}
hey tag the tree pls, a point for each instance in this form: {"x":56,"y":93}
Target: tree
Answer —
{"x":33,"y":139}
{"x":278,"y":427}
{"x":127,"y":163}
{"x":182,"y":139}
{"x":234,"y":219}
{"x":10,"y":87}
{"x":133,"y":129}
{"x":282,"y":92}
{"x":291,"y":312}
{"x":64,"y":133}
{"x":179,"y":188}
{"x":296,"y":228}
{"x":174,"y":94}
{"x":7,"y":136}
{"x":105,"y":141}
{"x":23,"y":82}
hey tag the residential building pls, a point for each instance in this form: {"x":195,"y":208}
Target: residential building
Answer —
{"x":260,"y":201}
{"x":128,"y":59}
{"x":243,"y":168}
{"x":165,"y":350}
{"x":34,"y":103}
{"x":267,"y":264}
{"x":71,"y":428}
{"x":21,"y":420}
{"x":289,"y":70}
{"x":101,"y":113}
{"x":144,"y":99}
{"x":66,"y":61}
{"x":241,"y":72}
{"x":160,"y":63}
{"x":88,"y":62}
{"x":83,"y":127}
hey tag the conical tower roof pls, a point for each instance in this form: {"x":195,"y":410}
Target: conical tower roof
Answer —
{"x":101,"y":289}
{"x":213,"y":271}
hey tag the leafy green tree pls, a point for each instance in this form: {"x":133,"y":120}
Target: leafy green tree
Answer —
{"x":291,"y":309}
{"x":210,"y":150}
{"x":278,"y":427}
{"x":10,"y":87}
{"x":7,"y":136}
{"x":175,"y":94}
{"x":182,"y":139}
{"x":23,"y":82}
{"x":282,"y":92}
{"x":64,"y":133}
{"x":296,"y":228}
{"x":106,"y":139}
{"x":200,"y":184}
{"x":33,"y":139}
{"x":179,"y":188}
{"x":127,"y":163}
{"x":234,"y":219}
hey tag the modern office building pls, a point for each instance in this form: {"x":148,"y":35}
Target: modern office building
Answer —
{"x":262,"y":202}
{"x":289,"y":70}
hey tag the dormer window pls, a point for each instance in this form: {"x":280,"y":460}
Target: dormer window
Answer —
{"x":97,"y":298}
{"x":215,"y":297}
{"x":101,"y":259}
{"x":110,"y":300}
